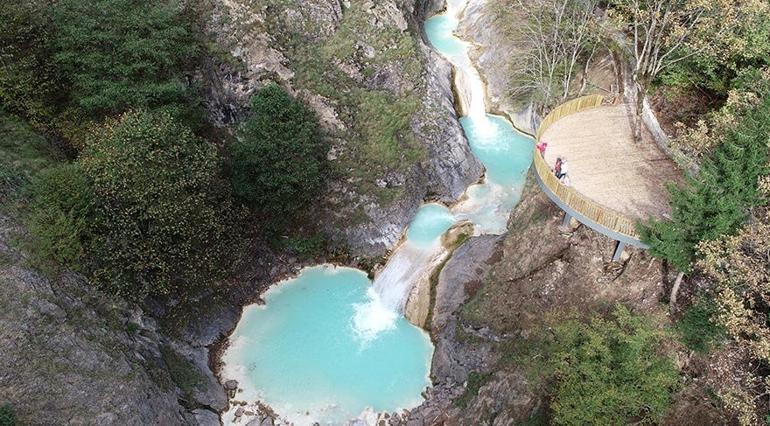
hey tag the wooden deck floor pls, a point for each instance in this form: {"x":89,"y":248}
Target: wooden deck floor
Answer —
{"x":606,"y":165}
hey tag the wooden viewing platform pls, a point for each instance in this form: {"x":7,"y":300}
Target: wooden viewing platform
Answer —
{"x":615,"y":181}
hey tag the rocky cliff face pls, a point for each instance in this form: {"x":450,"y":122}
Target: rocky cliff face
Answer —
{"x":383,"y":97}
{"x":72,"y":355}
{"x":492,"y":51}
{"x":494,"y":294}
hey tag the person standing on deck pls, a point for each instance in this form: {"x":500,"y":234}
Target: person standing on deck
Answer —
{"x":541,"y":146}
{"x":563,"y":170}
{"x":557,"y":167}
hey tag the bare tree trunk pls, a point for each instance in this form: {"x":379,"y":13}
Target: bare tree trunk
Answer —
{"x":638,"y":112}
{"x":674,"y":291}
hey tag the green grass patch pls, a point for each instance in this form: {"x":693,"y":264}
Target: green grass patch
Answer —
{"x":7,"y":415}
{"x":306,"y":247}
{"x":475,"y":381}
{"x":23,"y":153}
{"x":184,"y":373}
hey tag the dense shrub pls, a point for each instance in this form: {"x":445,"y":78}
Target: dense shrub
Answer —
{"x":61,"y":208}
{"x":699,"y":328}
{"x":608,"y":371}
{"x":121,"y":54}
{"x":7,"y":416}
{"x":22,"y":154}
{"x":161,"y":224}
{"x":28,"y":79}
{"x":719,"y":199}
{"x":279,"y":160}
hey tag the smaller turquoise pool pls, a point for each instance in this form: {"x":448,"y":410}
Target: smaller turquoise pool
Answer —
{"x":505,"y":152}
{"x":440,"y":30}
{"x":429,"y":224}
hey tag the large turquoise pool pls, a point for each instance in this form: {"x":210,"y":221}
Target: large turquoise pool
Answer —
{"x":300,"y":354}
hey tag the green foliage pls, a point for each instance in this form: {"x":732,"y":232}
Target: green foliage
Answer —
{"x":719,"y":199}
{"x":29,"y":83}
{"x":475,"y":381}
{"x":608,"y":371}
{"x":7,"y":415}
{"x":306,"y":247}
{"x":161,"y":224}
{"x":384,"y":126}
{"x":132,"y":327}
{"x":697,"y":329}
{"x":121,"y":54}
{"x":62,"y":204}
{"x":22,"y":154}
{"x":184,"y":373}
{"x":279,"y":160}
{"x":731,"y":43}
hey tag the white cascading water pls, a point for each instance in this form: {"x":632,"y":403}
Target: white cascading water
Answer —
{"x":411,"y":262}
{"x":390,"y":291}
{"x":487,"y":205}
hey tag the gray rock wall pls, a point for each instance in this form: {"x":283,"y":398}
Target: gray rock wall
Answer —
{"x":491,"y":53}
{"x":72,"y":355}
{"x":352,"y":214}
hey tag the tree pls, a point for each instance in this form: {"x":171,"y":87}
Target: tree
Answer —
{"x":279,"y":160}
{"x":660,"y":29}
{"x":163,"y":214}
{"x":28,"y":79}
{"x":739,"y":267}
{"x":121,"y":54}
{"x":608,"y":371}
{"x":732,"y":41}
{"x":560,"y":35}
{"x":720,"y":199}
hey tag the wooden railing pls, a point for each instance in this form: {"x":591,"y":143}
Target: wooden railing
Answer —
{"x":604,"y":216}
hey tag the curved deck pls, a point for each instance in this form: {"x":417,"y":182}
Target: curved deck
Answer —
{"x":614,"y":181}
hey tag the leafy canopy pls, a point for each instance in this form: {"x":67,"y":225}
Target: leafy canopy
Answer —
{"x":29,"y":83}
{"x":279,"y":160}
{"x":121,"y":54}
{"x":162,"y":211}
{"x":7,"y":415}
{"x":609,"y":371}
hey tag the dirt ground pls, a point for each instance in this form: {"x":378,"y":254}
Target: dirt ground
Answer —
{"x":543,"y":272}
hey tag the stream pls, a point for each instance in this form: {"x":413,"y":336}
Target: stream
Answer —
{"x":329,"y":345}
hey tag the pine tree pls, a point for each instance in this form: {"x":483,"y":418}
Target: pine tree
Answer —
{"x":719,"y":199}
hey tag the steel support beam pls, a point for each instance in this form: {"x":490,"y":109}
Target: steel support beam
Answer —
{"x":619,"y":247}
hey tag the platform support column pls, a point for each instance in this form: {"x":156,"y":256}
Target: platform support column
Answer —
{"x":619,"y":247}
{"x":566,"y":220}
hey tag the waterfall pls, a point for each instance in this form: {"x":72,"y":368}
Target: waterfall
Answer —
{"x":411,"y":262}
{"x":388,"y":295}
{"x":506,"y":156}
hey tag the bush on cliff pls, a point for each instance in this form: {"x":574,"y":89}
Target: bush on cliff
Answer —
{"x":608,"y":371}
{"x":7,"y":415}
{"x":29,"y":82}
{"x":162,"y":219}
{"x":279,"y":160}
{"x":67,"y":64}
{"x":121,"y":54}
{"x":62,"y":204}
